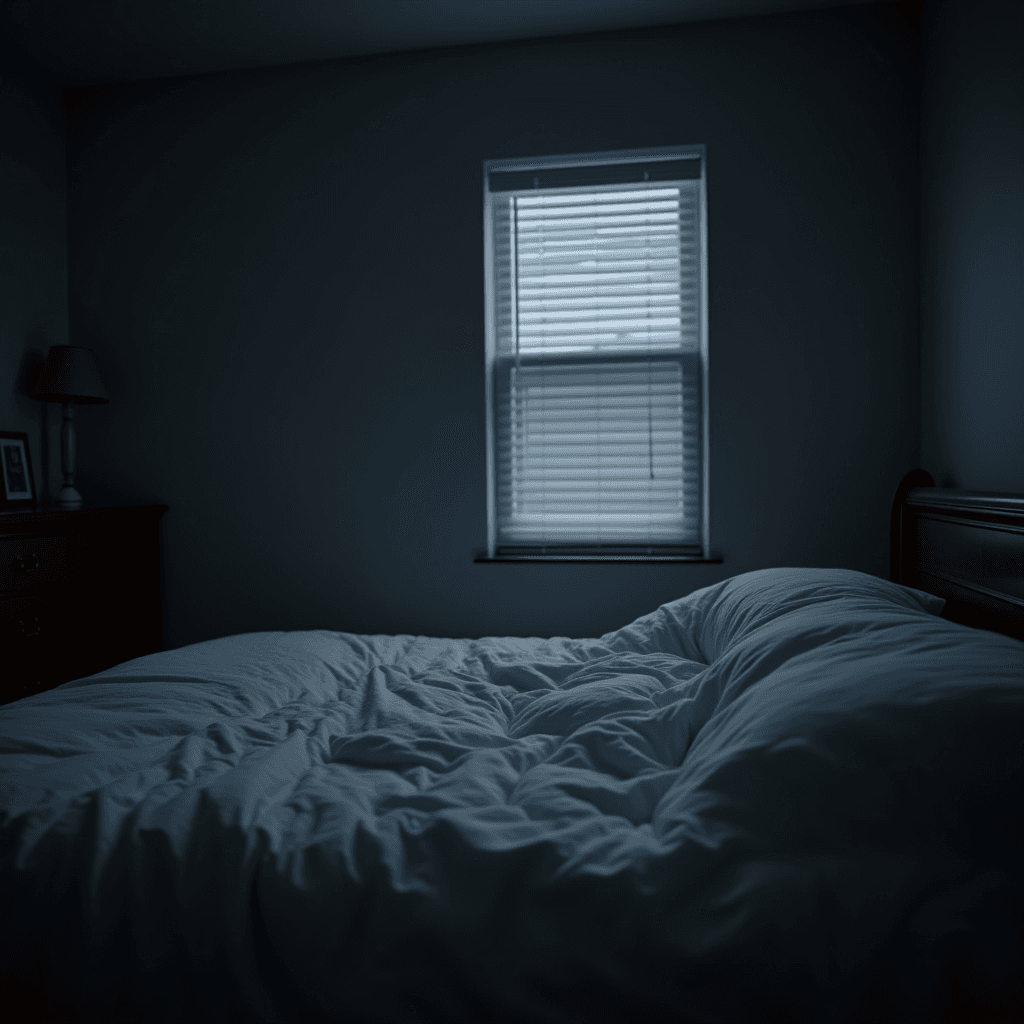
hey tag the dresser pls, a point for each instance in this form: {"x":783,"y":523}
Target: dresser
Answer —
{"x":79,"y":592}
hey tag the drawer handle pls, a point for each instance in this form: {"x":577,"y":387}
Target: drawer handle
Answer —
{"x":36,"y":630}
{"x":23,"y":562}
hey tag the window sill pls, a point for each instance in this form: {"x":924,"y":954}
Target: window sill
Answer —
{"x":593,"y":559}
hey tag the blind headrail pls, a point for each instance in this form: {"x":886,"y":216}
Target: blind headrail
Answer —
{"x":685,"y":169}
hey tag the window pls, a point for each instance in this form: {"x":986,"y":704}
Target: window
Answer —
{"x":596,"y":288}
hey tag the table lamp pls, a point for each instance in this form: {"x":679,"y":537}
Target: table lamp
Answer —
{"x":69,"y":376}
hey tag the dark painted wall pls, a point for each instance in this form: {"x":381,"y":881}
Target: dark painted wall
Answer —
{"x":33,"y":250}
{"x":972,"y":270}
{"x":281,"y":274}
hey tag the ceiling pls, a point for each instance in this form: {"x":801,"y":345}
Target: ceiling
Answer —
{"x":85,"y":42}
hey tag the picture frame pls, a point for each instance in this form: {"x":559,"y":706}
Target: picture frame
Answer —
{"x":17,"y":485}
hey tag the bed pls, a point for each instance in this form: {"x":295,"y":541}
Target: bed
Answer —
{"x":792,"y":796}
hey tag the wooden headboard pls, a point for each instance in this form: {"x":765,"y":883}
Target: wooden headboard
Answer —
{"x":965,"y":546}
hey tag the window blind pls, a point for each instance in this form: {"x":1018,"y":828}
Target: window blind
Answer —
{"x":595,"y":357}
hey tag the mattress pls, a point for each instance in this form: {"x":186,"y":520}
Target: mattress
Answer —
{"x":794,"y":795}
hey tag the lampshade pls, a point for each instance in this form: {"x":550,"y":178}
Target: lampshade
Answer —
{"x":69,"y":375}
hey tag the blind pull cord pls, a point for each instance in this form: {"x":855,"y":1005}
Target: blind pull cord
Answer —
{"x":650,"y":412}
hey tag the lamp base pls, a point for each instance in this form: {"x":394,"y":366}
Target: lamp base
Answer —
{"x":69,"y":499}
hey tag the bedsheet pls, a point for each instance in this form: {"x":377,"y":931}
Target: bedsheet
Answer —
{"x":794,"y":793}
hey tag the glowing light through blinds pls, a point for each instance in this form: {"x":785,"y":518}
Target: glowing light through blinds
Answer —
{"x":603,"y":271}
{"x":596,"y":363}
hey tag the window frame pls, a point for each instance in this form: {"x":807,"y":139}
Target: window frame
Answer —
{"x":500,"y":364}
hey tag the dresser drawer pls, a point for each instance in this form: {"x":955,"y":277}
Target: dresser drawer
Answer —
{"x":30,"y":562}
{"x":79,"y":592}
{"x":36,"y":637}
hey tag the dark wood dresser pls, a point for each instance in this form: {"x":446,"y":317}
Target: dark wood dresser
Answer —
{"x":79,"y":592}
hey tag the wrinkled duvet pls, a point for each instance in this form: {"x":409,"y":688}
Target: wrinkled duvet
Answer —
{"x":792,"y":796}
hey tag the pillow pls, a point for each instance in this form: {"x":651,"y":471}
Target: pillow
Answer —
{"x":704,"y":624}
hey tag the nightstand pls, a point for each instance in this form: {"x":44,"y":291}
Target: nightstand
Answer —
{"x":79,"y":592}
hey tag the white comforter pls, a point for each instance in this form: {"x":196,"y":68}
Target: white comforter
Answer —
{"x":795,"y":792}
